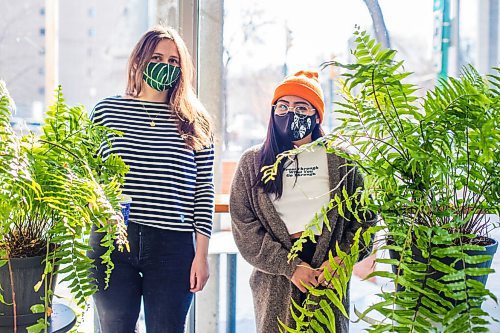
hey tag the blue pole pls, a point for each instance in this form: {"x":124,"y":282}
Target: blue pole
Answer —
{"x":445,"y":41}
{"x":231,"y":293}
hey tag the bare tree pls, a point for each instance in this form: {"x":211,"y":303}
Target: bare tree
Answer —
{"x":381,"y":33}
{"x":251,"y":25}
{"x":239,"y":41}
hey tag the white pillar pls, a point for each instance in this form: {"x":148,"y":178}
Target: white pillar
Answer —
{"x":164,"y":12}
{"x":210,"y":88}
{"x":488,"y":36}
{"x":200,"y":25}
{"x":51,"y":49}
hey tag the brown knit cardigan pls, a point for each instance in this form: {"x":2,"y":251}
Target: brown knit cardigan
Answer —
{"x":263,"y":240}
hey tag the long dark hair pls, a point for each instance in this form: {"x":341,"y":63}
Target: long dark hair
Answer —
{"x":272,"y":146}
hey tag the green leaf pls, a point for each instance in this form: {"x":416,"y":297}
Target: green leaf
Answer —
{"x":38,"y":327}
{"x":336,"y":301}
{"x":478,"y":271}
{"x":477,"y":259}
{"x":329,"y":313}
{"x":339,"y":205}
{"x":438,"y":265}
{"x":316,"y":326}
{"x":37,"y":308}
{"x":323,"y":320}
{"x":383,"y":274}
{"x":2,"y":299}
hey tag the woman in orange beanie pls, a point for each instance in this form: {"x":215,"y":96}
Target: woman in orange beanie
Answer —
{"x":267,"y":218}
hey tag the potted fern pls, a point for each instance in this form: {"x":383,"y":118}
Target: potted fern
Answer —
{"x":53,"y":188}
{"x":431,"y":167}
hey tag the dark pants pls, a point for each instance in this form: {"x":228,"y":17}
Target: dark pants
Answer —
{"x":308,"y":249}
{"x":157,"y":268}
{"x":307,"y":253}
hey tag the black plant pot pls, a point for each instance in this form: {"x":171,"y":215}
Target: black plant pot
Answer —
{"x":417,"y":256}
{"x":26,"y":272}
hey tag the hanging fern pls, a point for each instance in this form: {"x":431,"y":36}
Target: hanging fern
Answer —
{"x":62,"y":190}
{"x":419,"y":155}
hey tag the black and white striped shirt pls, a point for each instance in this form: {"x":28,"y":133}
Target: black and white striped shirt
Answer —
{"x":170,"y":184}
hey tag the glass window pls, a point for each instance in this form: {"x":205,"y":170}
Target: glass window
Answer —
{"x":260,"y":43}
{"x":266,"y":40}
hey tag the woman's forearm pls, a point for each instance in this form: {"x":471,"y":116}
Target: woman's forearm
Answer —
{"x":201,"y":245}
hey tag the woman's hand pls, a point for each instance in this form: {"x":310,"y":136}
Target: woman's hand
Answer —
{"x":199,"y":273}
{"x":304,"y":275}
{"x":199,"y":268}
{"x":326,"y":265}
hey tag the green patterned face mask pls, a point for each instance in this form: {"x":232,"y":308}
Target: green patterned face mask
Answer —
{"x":161,"y":76}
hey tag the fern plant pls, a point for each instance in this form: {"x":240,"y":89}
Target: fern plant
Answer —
{"x":53,"y":189}
{"x":316,"y":313}
{"x":431,"y":167}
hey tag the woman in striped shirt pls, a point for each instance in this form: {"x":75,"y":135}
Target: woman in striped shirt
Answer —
{"x":166,"y":143}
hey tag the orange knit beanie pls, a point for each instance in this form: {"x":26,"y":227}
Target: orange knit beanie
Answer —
{"x":303,"y":84}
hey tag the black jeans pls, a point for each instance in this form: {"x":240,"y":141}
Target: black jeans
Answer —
{"x":157,"y":268}
{"x":308,"y":249}
{"x":307,"y":253}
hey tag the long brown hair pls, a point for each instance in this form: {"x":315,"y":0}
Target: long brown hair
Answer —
{"x":193,"y":121}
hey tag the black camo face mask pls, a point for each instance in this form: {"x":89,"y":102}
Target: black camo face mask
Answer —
{"x":292,"y":127}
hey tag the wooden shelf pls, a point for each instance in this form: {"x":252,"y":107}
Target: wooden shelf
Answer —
{"x":222,"y":203}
